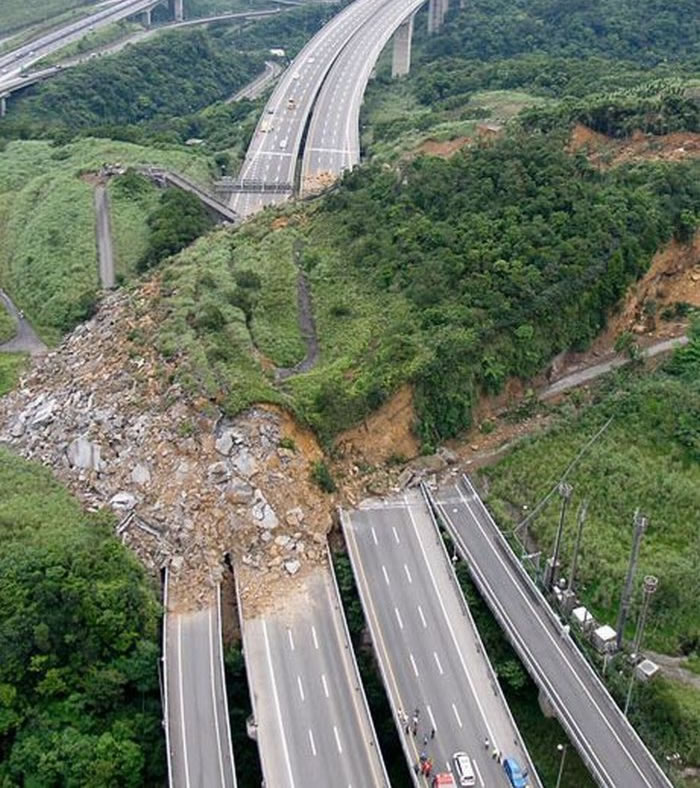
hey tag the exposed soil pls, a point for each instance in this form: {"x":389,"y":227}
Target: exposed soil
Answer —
{"x":443,"y":149}
{"x":320,"y":181}
{"x":610,"y":152}
{"x":385,"y":433}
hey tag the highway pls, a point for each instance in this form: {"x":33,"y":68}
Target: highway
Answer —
{"x":333,"y":139}
{"x":274,"y":150}
{"x":429,"y":651}
{"x":607,"y":743}
{"x":12,"y":63}
{"x":313,"y":725}
{"x":196,"y":709}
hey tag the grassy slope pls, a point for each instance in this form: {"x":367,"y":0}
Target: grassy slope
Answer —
{"x":7,"y":325}
{"x":47,"y":249}
{"x":11,"y":366}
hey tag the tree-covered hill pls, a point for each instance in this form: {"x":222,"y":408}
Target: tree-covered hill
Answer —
{"x":648,"y":32}
{"x":79,"y":695}
{"x":177,"y":73}
{"x":451,"y":275}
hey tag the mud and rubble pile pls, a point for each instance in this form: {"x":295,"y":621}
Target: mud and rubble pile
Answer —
{"x":188,"y":485}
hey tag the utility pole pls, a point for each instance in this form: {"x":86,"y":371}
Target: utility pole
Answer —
{"x":569,"y":594}
{"x":565,"y":491}
{"x":640,"y":525}
{"x":650,"y":585}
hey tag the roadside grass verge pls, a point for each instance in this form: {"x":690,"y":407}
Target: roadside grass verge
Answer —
{"x":8,"y":327}
{"x":11,"y":366}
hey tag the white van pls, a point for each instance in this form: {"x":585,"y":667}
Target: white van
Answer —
{"x":463,"y":769}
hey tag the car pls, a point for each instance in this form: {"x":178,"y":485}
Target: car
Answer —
{"x":311,"y":59}
{"x":296,"y":75}
{"x":443,"y":780}
{"x":271,"y":111}
{"x":514,"y":773}
{"x":463,"y":769}
{"x":283,"y":143}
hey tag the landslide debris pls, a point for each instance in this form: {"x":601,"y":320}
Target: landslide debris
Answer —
{"x":187,"y":484}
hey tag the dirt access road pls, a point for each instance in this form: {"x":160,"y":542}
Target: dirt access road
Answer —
{"x":25,"y":340}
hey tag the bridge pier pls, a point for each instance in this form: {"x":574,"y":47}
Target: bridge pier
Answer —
{"x":146,"y":19}
{"x":437,"y":9}
{"x":545,"y":705}
{"x":178,"y":10}
{"x":3,"y":104}
{"x":401,"y":58}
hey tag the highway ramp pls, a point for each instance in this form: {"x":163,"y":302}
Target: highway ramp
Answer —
{"x":313,"y":724}
{"x":606,"y":741}
{"x":429,"y":651}
{"x":196,"y":709}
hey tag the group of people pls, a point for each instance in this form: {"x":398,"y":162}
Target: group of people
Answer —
{"x":410,"y":725}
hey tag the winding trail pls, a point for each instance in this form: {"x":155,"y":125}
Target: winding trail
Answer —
{"x":25,"y":340}
{"x":103,"y":235}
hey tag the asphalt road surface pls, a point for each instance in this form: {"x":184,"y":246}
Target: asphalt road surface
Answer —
{"x":313,"y":727}
{"x":12,"y":63}
{"x":257,"y":86}
{"x":582,"y":376}
{"x":606,"y":741}
{"x":272,"y":154}
{"x":428,"y":649}
{"x":103,"y":233}
{"x":26,"y":339}
{"x":199,"y":736}
{"x":333,"y":140}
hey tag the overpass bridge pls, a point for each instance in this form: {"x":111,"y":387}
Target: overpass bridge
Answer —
{"x":607,"y":743}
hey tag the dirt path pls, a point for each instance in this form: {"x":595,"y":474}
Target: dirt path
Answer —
{"x":673,"y":668}
{"x":307,"y":324}
{"x":103,"y":234}
{"x":26,"y":339}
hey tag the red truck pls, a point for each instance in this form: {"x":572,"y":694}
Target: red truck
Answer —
{"x":443,"y":780}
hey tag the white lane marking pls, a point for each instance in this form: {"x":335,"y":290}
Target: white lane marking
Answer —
{"x":449,"y":623}
{"x":301,"y":687}
{"x":374,"y":536}
{"x":413,"y":663}
{"x":408,"y":574}
{"x":337,"y":739}
{"x":182,"y":705}
{"x":478,"y":773}
{"x":396,"y":536}
{"x":277,"y":705}
{"x":313,"y":635}
{"x":437,"y":662}
{"x":213,"y":701}
{"x":291,"y":639}
{"x":553,"y":641}
{"x":432,"y":719}
{"x":398,"y":617}
{"x":311,"y":741}
{"x":459,"y":721}
{"x":386,"y":576}
{"x":325,"y":685}
{"x":422,"y":617}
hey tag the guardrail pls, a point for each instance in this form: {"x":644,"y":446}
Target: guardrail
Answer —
{"x":166,"y":719}
{"x":252,"y":186}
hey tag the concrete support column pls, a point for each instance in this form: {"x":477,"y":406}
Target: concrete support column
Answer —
{"x":146,"y":17}
{"x":444,"y":7}
{"x":401,"y":59}
{"x":434,"y":15}
{"x":3,"y":104}
{"x":178,"y":10}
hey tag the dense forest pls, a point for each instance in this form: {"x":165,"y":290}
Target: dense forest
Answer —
{"x":79,"y":694}
{"x":139,"y":84}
